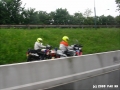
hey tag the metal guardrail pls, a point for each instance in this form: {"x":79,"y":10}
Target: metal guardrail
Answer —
{"x":59,"y":26}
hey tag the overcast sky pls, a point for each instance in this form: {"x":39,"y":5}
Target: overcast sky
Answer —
{"x":74,"y":6}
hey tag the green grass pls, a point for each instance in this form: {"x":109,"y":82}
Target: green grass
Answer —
{"x":15,"y":42}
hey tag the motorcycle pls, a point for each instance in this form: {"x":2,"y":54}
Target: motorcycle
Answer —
{"x":75,"y":51}
{"x":33,"y":55}
{"x":47,"y":52}
{"x":78,"y":49}
{"x":54,"y":53}
{"x":40,"y":54}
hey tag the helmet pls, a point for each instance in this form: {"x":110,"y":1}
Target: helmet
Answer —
{"x":39,"y":40}
{"x":65,"y":38}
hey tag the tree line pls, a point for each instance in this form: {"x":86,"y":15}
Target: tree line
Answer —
{"x":12,"y":13}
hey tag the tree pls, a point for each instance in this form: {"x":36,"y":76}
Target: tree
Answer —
{"x":2,"y":13}
{"x":102,"y":20}
{"x":110,"y":20}
{"x":52,"y":15}
{"x":10,"y":11}
{"x":117,"y":19}
{"x":44,"y":17}
{"x":118,"y":4}
{"x":79,"y":18}
{"x":87,"y":12}
{"x":61,"y":16}
{"x":30,"y":16}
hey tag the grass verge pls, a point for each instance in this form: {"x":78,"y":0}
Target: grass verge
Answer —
{"x":15,"y":42}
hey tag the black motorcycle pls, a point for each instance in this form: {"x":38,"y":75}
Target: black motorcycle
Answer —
{"x":33,"y":55}
{"x":40,"y":54}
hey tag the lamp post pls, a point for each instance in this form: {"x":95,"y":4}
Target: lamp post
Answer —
{"x":94,"y":14}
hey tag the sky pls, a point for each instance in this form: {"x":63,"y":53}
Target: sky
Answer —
{"x":103,"y":7}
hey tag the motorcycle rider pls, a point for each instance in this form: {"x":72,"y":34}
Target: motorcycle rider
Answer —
{"x":64,"y":46}
{"x":38,"y":44}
